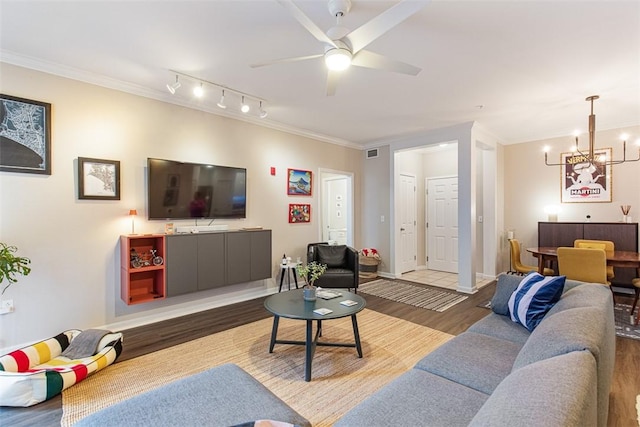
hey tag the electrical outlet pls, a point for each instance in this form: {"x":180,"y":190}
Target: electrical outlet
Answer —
{"x":6,"y":306}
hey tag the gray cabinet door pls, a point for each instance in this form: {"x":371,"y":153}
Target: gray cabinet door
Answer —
{"x":182,"y":264}
{"x":238,"y":257}
{"x":211,"y":261}
{"x":260,"y":254}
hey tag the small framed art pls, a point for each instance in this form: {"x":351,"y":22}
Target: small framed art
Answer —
{"x":25,"y":135}
{"x":583,"y":181}
{"x":98,"y":179}
{"x":299,"y":213}
{"x":299,"y":182}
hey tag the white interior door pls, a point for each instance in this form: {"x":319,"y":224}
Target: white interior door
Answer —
{"x":442,"y":220}
{"x":336,"y":205}
{"x":335,"y":230}
{"x":408,"y":223}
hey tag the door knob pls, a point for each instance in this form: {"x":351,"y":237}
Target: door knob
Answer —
{"x":402,"y":229}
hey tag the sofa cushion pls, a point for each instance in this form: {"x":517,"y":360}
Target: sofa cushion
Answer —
{"x":554,"y":392}
{"x":585,"y":295}
{"x":569,"y":330}
{"x":416,"y":398}
{"x":334,"y":256}
{"x":506,"y":284}
{"x":222,"y":396}
{"x":473,"y":360}
{"x":501,"y":327}
{"x":534,"y":297}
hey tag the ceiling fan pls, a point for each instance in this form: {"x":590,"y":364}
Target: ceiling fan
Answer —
{"x":343,"y":47}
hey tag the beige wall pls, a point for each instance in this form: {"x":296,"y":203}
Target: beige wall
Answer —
{"x":530,"y":186}
{"x":73,"y":244}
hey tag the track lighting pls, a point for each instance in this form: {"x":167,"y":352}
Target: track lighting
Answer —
{"x":200,"y":86}
{"x":198,"y":90}
{"x":245,"y":107}
{"x":221,"y":103}
{"x":171,"y":87}
{"x":262,"y":113}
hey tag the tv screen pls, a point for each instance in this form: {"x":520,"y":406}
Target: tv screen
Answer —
{"x":179,"y":190}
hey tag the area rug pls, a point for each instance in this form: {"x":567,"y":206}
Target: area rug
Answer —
{"x":624,"y":322}
{"x":395,"y":290}
{"x":340,"y":380}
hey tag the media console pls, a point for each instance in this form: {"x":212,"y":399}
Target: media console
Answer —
{"x":199,"y":261}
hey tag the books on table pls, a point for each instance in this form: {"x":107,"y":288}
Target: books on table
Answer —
{"x":322,"y":311}
{"x":348,"y":302}
{"x":325,"y":294}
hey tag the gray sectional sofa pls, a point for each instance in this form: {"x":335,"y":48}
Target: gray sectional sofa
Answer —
{"x":497,"y":373}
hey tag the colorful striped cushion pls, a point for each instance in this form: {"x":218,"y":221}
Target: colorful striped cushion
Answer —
{"x":534,"y":297}
{"x":36,"y":373}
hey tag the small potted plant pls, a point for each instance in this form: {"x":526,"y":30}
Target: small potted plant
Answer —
{"x":11,"y":265}
{"x":310,"y":272}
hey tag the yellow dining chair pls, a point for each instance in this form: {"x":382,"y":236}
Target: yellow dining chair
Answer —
{"x":518,"y":266}
{"x":607,"y":245}
{"x":636,"y":283}
{"x":583,"y":264}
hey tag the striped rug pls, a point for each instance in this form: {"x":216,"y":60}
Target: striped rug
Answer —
{"x":418,"y":296}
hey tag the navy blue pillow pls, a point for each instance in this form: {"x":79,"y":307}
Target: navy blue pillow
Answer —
{"x":534,"y":297}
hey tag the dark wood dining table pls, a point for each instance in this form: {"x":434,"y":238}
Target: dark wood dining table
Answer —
{"x":626,"y":259}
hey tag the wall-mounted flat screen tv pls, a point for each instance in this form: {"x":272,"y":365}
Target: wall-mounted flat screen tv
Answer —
{"x":180,"y":190}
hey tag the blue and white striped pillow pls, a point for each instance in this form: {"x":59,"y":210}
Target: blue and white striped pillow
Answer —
{"x":534,"y":297}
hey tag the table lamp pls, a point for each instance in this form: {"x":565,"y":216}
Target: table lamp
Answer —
{"x":132,"y":214}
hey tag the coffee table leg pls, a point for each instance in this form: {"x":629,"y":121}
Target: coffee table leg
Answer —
{"x":274,"y":333}
{"x":356,"y":334}
{"x":309,"y":351}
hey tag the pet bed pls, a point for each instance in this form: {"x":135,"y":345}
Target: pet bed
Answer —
{"x":42,"y":370}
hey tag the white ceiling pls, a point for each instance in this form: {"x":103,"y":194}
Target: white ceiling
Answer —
{"x":529,"y":64}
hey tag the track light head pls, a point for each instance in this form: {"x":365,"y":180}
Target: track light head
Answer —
{"x":262,"y":113}
{"x":198,"y":91}
{"x":245,"y":107}
{"x":171,"y":87}
{"x":221,"y":103}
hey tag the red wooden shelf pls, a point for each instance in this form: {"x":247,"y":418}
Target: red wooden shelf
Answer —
{"x":143,"y":284}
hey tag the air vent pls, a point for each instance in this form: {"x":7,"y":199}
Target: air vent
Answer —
{"x":372,"y":154}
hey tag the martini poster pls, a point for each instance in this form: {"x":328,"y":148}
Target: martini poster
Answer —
{"x":585,"y":181}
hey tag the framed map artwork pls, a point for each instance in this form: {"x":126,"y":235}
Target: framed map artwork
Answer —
{"x":25,"y":135}
{"x":98,"y":179}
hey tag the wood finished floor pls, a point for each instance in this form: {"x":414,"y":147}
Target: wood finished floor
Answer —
{"x":146,"y":339}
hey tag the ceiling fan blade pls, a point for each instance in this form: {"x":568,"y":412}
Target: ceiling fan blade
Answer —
{"x":306,"y":22}
{"x":368,"y":59}
{"x":332,"y":82}
{"x":367,"y":33}
{"x":285,"y":60}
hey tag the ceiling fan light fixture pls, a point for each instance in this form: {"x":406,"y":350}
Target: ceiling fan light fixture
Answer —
{"x":171,"y":87}
{"x":221,"y":103}
{"x":337,"y":59}
{"x":245,"y":107}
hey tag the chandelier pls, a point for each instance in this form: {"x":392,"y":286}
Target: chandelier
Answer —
{"x":590,"y":156}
